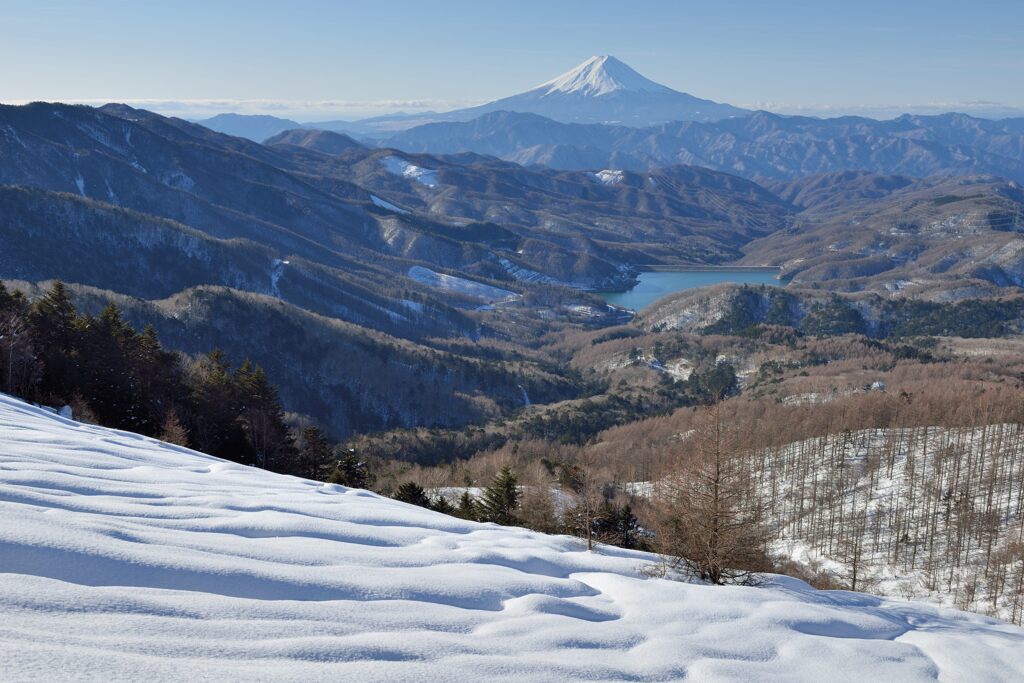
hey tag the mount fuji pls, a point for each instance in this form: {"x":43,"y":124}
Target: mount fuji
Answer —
{"x":606,"y":90}
{"x":600,"y":90}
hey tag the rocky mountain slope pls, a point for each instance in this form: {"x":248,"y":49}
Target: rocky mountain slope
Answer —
{"x":761,"y":146}
{"x":739,"y":309}
{"x":681,"y":214}
{"x":938,"y":237}
{"x":135,"y":204}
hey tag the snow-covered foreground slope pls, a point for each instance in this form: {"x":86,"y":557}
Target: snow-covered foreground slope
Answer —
{"x":127,"y":559}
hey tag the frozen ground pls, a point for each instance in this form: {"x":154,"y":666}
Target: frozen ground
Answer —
{"x":123,"y":558}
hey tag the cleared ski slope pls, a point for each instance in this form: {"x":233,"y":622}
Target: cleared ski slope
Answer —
{"x":123,"y":558}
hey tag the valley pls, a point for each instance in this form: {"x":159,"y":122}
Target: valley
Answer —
{"x":463,"y":248}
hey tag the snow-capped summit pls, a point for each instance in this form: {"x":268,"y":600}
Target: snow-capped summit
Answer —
{"x":600,"y":90}
{"x":605,"y":90}
{"x":601,"y":76}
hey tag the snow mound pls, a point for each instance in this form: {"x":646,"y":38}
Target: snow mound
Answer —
{"x":399,"y":166}
{"x":124,"y":558}
{"x":384,"y":204}
{"x":459,"y":285}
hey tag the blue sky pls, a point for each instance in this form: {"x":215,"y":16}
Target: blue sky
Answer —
{"x":310,"y":58}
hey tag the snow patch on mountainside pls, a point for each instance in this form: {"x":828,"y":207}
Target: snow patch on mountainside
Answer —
{"x":10,"y":132}
{"x":399,"y":166}
{"x":460,"y":285}
{"x":124,"y":558}
{"x":607,"y":177}
{"x":384,"y":204}
{"x":276,"y":271}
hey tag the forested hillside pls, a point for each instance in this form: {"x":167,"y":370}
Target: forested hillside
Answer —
{"x":887,"y":466}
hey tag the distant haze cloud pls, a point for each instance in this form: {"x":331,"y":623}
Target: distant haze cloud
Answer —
{"x":313,"y":110}
{"x":979,"y":108}
{"x":323,"y":110}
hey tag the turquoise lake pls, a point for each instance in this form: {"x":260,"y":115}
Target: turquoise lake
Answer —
{"x":653,"y":285}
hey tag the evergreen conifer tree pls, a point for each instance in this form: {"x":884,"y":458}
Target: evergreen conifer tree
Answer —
{"x":213,"y":423}
{"x":413,"y":493}
{"x":467,"y":507}
{"x":263,"y":418}
{"x":352,"y":472}
{"x":442,"y":505}
{"x":20,"y":368}
{"x":53,"y":320}
{"x":104,"y":367}
{"x":314,"y":453}
{"x":501,"y":499}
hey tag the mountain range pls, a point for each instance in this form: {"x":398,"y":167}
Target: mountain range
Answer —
{"x":350,"y":271}
{"x":345,"y":276}
{"x":604,"y":115}
{"x":762,"y":146}
{"x":600,"y":90}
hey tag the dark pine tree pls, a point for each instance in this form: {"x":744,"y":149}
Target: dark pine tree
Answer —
{"x":616,"y":525}
{"x":413,"y":493}
{"x":314,"y":453}
{"x":501,"y":499}
{"x":352,"y":472}
{"x":467,"y":507}
{"x":158,"y":376}
{"x":106,"y":380}
{"x":212,"y":420}
{"x":20,"y":367}
{"x":55,"y":330}
{"x":442,"y":505}
{"x":262,"y":419}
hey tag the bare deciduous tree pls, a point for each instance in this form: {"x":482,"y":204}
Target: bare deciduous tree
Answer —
{"x":711,"y":520}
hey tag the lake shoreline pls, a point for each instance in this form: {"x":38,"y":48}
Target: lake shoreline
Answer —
{"x":659,"y":268}
{"x":653,"y":284}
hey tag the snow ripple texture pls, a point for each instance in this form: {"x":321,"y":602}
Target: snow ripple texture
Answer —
{"x":124,"y":558}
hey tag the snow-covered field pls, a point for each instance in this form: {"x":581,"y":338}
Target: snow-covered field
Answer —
{"x":123,"y":558}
